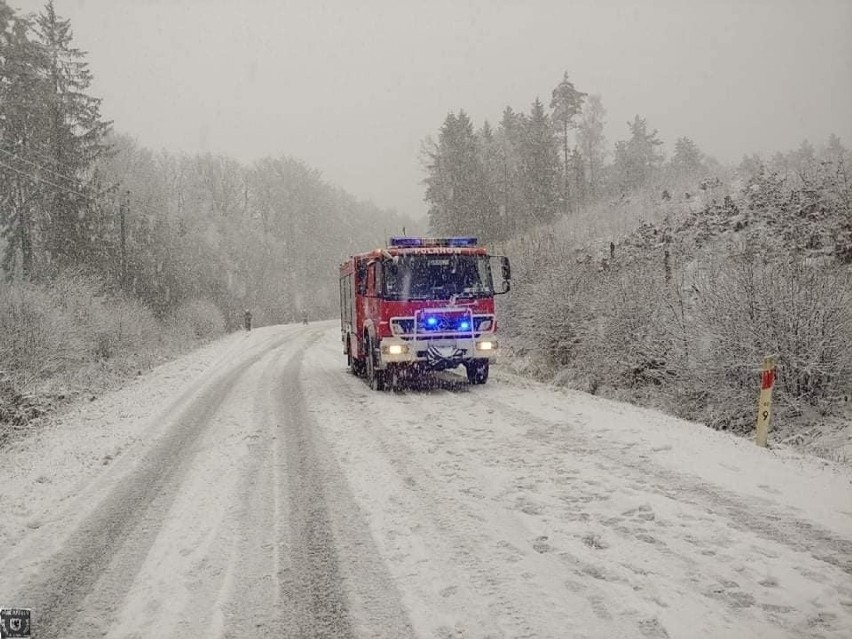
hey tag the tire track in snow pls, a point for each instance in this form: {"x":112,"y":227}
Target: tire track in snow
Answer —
{"x":240,"y":582}
{"x":334,"y":580}
{"x":461,"y":534}
{"x":111,"y":543}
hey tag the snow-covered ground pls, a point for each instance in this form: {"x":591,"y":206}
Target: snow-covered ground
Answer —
{"x":255,"y":488}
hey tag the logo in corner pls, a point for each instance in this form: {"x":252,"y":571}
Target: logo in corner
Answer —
{"x":14,"y":623}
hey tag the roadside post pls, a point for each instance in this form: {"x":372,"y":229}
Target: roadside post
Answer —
{"x":764,"y":403}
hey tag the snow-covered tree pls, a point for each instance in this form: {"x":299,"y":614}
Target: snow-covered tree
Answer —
{"x":454,"y":183}
{"x":539,"y":167}
{"x":23,"y":120}
{"x":637,"y":158}
{"x":566,"y":102}
{"x":74,"y":139}
{"x":688,"y":160}
{"x":592,"y":142}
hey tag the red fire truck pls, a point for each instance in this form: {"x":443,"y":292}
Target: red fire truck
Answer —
{"x":420,"y":304}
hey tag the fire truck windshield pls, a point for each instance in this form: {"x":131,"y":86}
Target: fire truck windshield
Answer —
{"x":436,"y":277}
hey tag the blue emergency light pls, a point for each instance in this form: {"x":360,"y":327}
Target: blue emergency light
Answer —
{"x":434,"y":322}
{"x":461,"y":241}
{"x":418,"y":242}
{"x":405,"y":242}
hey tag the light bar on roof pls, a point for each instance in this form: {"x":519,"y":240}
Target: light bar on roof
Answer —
{"x":405,"y":242}
{"x":411,"y":242}
{"x":462,"y":241}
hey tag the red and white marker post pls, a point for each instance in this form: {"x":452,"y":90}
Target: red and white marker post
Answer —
{"x":764,"y":404}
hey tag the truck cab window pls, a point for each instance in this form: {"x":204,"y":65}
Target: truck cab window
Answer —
{"x":361,"y":276}
{"x":437,"y":277}
{"x":372,"y":280}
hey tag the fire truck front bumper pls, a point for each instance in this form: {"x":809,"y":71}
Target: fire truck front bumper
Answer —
{"x":437,"y":353}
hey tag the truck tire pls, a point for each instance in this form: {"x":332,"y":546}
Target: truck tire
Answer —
{"x":477,"y":371}
{"x":393,"y":377}
{"x":375,"y":377}
{"x":356,"y":366}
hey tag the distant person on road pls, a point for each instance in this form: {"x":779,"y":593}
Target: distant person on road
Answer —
{"x":247,"y":319}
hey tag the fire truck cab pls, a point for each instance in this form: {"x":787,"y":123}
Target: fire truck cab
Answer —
{"x":420,"y":304}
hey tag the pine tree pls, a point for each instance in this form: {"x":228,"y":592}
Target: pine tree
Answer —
{"x":490,"y":160}
{"x":834,"y":150}
{"x":688,"y":160}
{"x":439,"y":183}
{"x":636,"y":159}
{"x":802,"y":161}
{"x":577,"y":170}
{"x":455,"y":181}
{"x":540,"y":167}
{"x":510,"y":197}
{"x":566,"y":103}
{"x":750,"y":168}
{"x":592,"y":142}
{"x":23,"y":91}
{"x":75,"y":139}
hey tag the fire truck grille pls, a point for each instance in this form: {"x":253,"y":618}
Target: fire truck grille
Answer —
{"x":428,"y":324}
{"x":443,"y":323}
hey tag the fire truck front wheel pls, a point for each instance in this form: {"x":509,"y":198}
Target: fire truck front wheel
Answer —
{"x":375,"y":377}
{"x":355,"y":365}
{"x":477,"y":371}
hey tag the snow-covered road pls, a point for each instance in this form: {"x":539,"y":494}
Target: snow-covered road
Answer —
{"x":256,"y":489}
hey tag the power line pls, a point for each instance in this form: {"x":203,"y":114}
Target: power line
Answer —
{"x":41,"y":167}
{"x":37,"y":178}
{"x":39,"y":154}
{"x":38,"y":166}
{"x":91,"y":198}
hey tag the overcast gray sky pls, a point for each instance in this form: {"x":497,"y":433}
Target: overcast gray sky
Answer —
{"x":352,"y":87}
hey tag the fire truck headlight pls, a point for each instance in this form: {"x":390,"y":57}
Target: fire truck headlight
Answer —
{"x":396,"y":349}
{"x":486,"y":345}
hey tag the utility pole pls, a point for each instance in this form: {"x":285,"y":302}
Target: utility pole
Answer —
{"x":123,"y":208}
{"x":505,"y":232}
{"x":566,"y":190}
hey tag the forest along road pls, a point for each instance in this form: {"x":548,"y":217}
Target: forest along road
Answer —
{"x":255,"y":488}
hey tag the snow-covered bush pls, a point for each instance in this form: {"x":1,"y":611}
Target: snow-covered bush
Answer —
{"x":71,"y":334}
{"x":751,"y":306}
{"x":628,"y":344}
{"x":35,"y":341}
{"x":104,"y":326}
{"x":680,"y":312}
{"x":200,"y":319}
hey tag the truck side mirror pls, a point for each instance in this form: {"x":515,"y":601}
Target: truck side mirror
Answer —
{"x":506,"y":272}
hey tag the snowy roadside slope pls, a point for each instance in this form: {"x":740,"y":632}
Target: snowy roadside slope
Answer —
{"x":518,"y":510}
